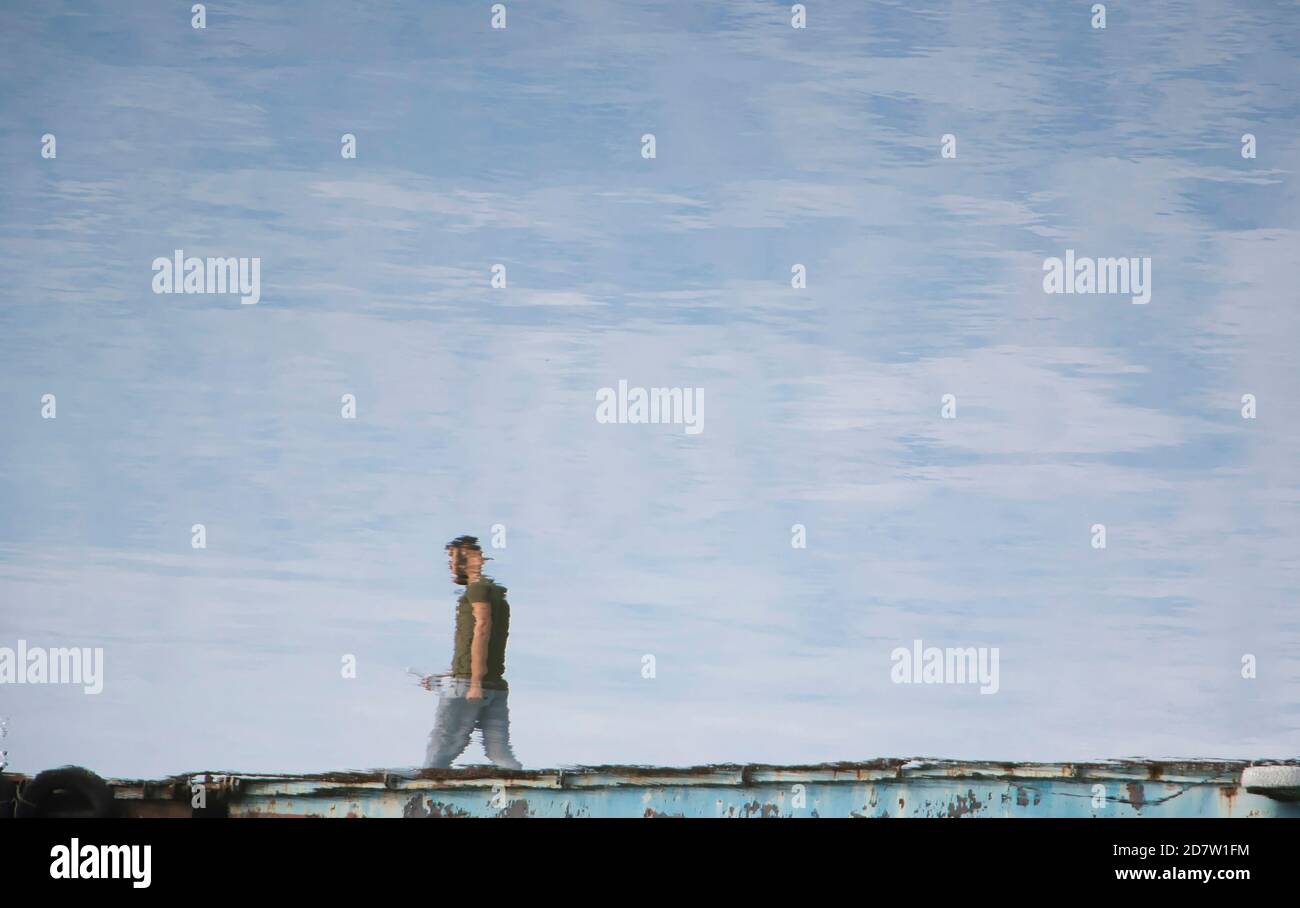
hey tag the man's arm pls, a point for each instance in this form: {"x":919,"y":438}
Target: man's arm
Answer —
{"x":478,"y":650}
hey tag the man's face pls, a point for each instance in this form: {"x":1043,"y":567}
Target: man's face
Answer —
{"x":461,"y":561}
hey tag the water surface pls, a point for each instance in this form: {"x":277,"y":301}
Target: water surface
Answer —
{"x":823,"y":405}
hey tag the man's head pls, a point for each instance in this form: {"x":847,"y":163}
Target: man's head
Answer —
{"x":464,"y":558}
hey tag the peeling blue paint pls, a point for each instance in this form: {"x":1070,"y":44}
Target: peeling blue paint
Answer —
{"x":880,"y":789}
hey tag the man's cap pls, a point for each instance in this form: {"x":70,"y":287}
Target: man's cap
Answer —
{"x":468,"y":542}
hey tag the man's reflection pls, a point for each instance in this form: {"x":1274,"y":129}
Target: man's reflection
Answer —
{"x":474,"y":693}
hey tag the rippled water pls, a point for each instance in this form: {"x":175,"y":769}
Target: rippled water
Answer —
{"x":822,"y":406}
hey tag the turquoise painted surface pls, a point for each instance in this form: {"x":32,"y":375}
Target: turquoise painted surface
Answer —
{"x":949,"y":790}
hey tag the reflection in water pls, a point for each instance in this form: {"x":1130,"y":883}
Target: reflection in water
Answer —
{"x":883,"y":367}
{"x":474,"y":694}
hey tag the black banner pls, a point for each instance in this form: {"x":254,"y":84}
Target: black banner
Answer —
{"x":317,"y":857}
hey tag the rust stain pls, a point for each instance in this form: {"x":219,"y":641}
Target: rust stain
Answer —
{"x":1136,"y":795}
{"x":964,"y":805}
{"x":446,"y":811}
{"x":516,"y":808}
{"x":1228,"y":796}
{"x":762,"y":810}
{"x":651,"y":813}
{"x":420,"y":806}
{"x":415,"y":808}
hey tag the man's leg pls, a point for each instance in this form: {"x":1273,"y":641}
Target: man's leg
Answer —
{"x":452,"y":725}
{"x":495,"y":722}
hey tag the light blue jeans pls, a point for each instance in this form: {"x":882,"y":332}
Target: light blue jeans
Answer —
{"x":456,"y":719}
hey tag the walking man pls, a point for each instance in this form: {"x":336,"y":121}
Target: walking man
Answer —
{"x":474,"y":693}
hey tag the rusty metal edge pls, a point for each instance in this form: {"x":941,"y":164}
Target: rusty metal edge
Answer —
{"x":1191,"y":771}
